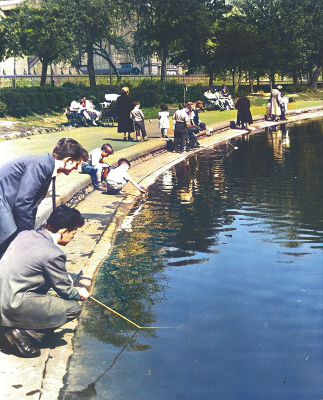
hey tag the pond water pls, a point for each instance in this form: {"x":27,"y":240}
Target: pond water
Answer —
{"x":227,"y":251}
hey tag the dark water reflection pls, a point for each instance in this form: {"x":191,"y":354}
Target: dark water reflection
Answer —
{"x":227,"y":250}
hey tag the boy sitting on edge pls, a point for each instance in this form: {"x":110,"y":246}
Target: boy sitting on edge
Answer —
{"x":138,"y":119}
{"x":118,"y":178}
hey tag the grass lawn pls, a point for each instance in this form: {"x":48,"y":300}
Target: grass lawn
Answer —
{"x":39,"y":144}
{"x":212,"y":117}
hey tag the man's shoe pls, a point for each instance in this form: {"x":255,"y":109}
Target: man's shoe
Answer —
{"x":22,"y":342}
{"x":38,"y":337}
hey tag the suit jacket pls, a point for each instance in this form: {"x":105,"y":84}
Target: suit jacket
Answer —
{"x":31,"y":266}
{"x":23,"y":184}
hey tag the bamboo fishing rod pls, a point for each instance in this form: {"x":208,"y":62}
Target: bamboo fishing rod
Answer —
{"x":125,"y":318}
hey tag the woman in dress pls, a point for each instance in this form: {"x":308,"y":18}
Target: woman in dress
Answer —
{"x":124,"y":106}
{"x":163,"y":117}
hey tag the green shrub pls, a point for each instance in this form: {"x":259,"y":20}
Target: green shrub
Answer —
{"x":3,"y":109}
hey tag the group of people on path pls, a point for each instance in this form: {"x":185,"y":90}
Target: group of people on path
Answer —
{"x":32,"y":261}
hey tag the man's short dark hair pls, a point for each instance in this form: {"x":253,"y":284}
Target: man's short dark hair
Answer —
{"x":68,"y":147}
{"x":85,"y":156}
{"x":124,"y":161}
{"x":64,"y":217}
{"x":106,"y":146}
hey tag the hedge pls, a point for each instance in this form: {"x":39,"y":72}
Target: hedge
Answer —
{"x":21,"y":102}
{"x":26,"y":101}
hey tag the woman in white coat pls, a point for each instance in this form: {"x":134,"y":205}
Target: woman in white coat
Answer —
{"x":275,"y":103}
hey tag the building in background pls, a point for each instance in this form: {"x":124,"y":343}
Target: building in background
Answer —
{"x":123,"y":60}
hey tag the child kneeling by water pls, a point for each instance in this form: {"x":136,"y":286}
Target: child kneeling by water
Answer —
{"x":118,"y":178}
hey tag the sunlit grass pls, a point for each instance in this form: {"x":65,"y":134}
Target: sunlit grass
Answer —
{"x":212,"y":117}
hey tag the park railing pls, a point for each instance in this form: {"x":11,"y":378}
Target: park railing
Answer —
{"x":134,"y":80}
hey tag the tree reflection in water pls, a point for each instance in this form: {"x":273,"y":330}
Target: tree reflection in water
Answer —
{"x":267,"y":180}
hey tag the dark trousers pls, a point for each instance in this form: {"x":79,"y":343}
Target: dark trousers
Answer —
{"x":90,"y":170}
{"x":180,"y":136}
{"x":140,"y":127}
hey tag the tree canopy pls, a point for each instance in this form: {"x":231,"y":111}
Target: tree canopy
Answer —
{"x":246,"y":37}
{"x":40,"y":30}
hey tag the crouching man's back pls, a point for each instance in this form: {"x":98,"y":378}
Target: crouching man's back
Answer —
{"x":32,"y":265}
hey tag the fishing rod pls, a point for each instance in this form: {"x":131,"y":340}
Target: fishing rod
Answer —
{"x":125,"y":318}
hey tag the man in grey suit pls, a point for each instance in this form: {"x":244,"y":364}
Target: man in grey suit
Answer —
{"x":32,"y":264}
{"x":24,"y":183}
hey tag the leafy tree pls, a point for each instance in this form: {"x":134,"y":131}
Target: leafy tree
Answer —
{"x":43,"y":30}
{"x":290,"y":33}
{"x":234,"y":47}
{"x":96,"y":22}
{"x":176,"y":31}
{"x":194,"y":45}
{"x":157,"y":28}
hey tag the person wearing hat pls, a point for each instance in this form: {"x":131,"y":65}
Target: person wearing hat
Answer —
{"x":275,"y":102}
{"x":124,"y":105}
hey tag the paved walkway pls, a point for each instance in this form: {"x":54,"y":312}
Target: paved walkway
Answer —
{"x":42,"y":378}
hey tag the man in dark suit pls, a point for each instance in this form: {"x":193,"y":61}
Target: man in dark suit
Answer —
{"x":24,"y":183}
{"x":32,"y":264}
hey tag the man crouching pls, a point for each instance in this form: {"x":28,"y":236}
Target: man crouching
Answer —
{"x":32,"y":264}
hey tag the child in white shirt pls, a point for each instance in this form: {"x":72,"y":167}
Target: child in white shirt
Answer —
{"x":118,"y":178}
{"x":163,"y":117}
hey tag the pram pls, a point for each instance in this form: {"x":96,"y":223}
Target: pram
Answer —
{"x":108,"y":108}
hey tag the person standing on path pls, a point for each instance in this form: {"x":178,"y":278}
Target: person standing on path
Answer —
{"x":124,"y":105}
{"x":163,"y":117}
{"x":138,"y":119}
{"x":24,"y":183}
{"x":182,"y":121}
{"x":244,"y":116}
{"x":32,"y":265}
{"x":275,"y":103}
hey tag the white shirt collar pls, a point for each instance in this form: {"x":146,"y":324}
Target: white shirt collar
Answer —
{"x":55,"y":236}
{"x":58,"y":164}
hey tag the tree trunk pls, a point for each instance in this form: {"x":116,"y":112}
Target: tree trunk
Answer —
{"x":90,"y":66}
{"x":211,"y":79}
{"x":258,"y":80}
{"x":251,"y":79}
{"x":149,"y":63}
{"x":295,"y":78}
{"x":272,"y":79}
{"x":239,"y":80}
{"x":233,"y":81}
{"x":315,"y":77}
{"x":163,"y":71}
{"x":44,"y":68}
